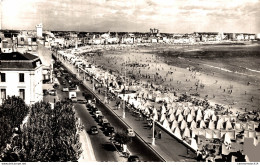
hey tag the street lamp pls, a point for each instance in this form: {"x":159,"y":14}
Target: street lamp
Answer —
{"x":153,"y":142}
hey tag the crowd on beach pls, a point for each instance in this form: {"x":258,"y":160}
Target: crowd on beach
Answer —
{"x":152,"y":97}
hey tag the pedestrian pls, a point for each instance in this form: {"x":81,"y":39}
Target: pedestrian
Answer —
{"x":160,"y":134}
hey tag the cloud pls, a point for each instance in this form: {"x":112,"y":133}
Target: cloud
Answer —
{"x":141,"y":15}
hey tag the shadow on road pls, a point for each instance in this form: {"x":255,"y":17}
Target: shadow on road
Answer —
{"x":108,"y":147}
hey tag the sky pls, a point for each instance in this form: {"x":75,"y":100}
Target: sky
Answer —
{"x":169,"y":16}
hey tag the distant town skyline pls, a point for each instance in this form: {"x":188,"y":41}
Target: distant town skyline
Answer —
{"x":170,"y":16}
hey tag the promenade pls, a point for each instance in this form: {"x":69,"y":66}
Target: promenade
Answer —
{"x":168,"y":147}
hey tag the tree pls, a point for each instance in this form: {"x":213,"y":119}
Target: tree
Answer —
{"x":49,"y":135}
{"x":122,"y":138}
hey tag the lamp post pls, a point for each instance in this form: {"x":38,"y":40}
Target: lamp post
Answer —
{"x":153,"y":142}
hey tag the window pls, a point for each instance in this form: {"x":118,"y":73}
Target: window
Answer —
{"x":22,"y":93}
{"x":2,"y":77}
{"x":21,"y":77}
{"x":3,"y":94}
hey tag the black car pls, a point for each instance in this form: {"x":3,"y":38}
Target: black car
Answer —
{"x":100,"y":119}
{"x":110,"y":131}
{"x":93,"y":130}
{"x":105,"y":126}
{"x":133,"y":158}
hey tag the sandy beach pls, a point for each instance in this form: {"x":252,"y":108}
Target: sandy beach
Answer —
{"x":219,"y":81}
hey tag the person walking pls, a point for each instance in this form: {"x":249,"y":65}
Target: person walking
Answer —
{"x":160,"y":134}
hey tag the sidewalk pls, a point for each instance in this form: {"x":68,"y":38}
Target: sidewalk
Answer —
{"x":87,"y":153}
{"x":168,"y":147}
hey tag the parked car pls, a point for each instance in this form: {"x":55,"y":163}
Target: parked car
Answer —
{"x":97,"y":113}
{"x":100,"y":118}
{"x":104,"y":120}
{"x":133,"y":158}
{"x":65,"y":89}
{"x":93,"y":130}
{"x":81,"y":101}
{"x":105,"y":126}
{"x":130,"y":132}
{"x":52,"y":92}
{"x":110,"y":131}
{"x":55,"y":86}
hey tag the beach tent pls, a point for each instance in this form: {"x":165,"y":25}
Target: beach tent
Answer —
{"x":226,"y":139}
{"x":199,"y":112}
{"x":211,"y":125}
{"x":183,"y":125}
{"x":202,"y":132}
{"x":232,"y":134}
{"x":214,"y":117}
{"x":206,"y":116}
{"x":209,"y":134}
{"x":178,"y":111}
{"x":192,"y":112}
{"x":163,"y":109}
{"x":186,"y":133}
{"x":186,"y":111}
{"x":228,"y":125}
{"x":177,"y":132}
{"x":202,"y":124}
{"x":238,"y":126}
{"x":198,"y":117}
{"x":166,"y":125}
{"x":171,"y":118}
{"x":193,"y":125}
{"x":179,"y":118}
{"x":189,"y":118}
{"x":162,"y":118}
{"x":174,"y":125}
{"x":171,"y":111}
{"x":219,"y":124}
{"x":194,"y":144}
{"x":216,"y":134}
{"x":154,"y":111}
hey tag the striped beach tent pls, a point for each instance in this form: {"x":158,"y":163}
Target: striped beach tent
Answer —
{"x":163,"y":109}
{"x":193,"y":125}
{"x":174,"y":125}
{"x":186,"y":133}
{"x":166,"y":125}
{"x":171,"y":118}
{"x":179,"y":118}
{"x":186,"y":111}
{"x":202,"y":124}
{"x":183,"y":125}
{"x":178,"y":111}
{"x":228,"y":125}
{"x":216,"y":134}
{"x":171,"y":110}
{"x":162,"y":118}
{"x":189,"y":118}
{"x":177,"y":133}
{"x":211,"y":125}
{"x":214,"y":117}
{"x":209,"y":133}
{"x":219,"y":124}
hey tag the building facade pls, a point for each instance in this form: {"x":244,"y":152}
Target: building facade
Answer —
{"x":21,"y":75}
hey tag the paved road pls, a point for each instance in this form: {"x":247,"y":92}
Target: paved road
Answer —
{"x":103,"y":149}
{"x":136,"y":146}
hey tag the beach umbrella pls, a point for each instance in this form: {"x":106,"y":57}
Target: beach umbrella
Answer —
{"x":202,"y":124}
{"x":194,"y":144}
{"x":209,"y":134}
{"x":189,"y":118}
{"x":183,"y":124}
{"x":171,"y":118}
{"x":186,"y":133}
{"x":228,"y":125}
{"x":162,"y":118}
{"x":211,"y":125}
{"x":193,"y":125}
{"x":177,"y":132}
{"x":179,"y":118}
{"x":166,"y":124}
{"x":174,"y":125}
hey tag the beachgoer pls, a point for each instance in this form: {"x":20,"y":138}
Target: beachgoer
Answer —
{"x":160,"y":134}
{"x":155,"y":133}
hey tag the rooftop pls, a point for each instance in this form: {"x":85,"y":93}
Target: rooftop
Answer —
{"x":17,"y":60}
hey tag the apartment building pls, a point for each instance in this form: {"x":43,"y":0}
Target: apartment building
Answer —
{"x":21,"y":75}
